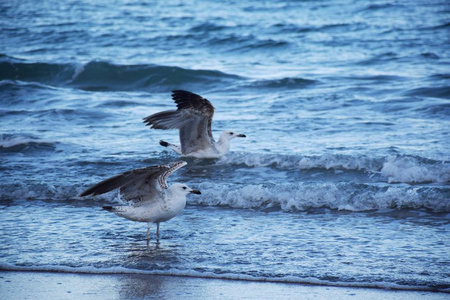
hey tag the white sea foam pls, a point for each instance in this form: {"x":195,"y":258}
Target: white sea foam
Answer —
{"x":326,"y":161}
{"x":412,"y":170}
{"x":78,"y":70}
{"x":305,"y":196}
{"x":395,"y":169}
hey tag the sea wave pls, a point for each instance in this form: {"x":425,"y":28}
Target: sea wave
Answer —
{"x":436,"y":92}
{"x":289,"y":183}
{"x":289,"y":161}
{"x":44,"y":191}
{"x":410,"y":169}
{"x":302,"y":196}
{"x":304,"y":28}
{"x":242,"y":43}
{"x":288,"y":197}
{"x":394,"y":168}
{"x":105,"y":76}
{"x":384,"y":6}
{"x":21,"y":143}
{"x":287,"y":82}
{"x":435,"y":110}
{"x":229,"y":276}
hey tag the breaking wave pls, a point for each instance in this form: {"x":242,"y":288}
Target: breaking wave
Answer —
{"x":393,"y":169}
{"x":335,"y":182}
{"x":342,"y":196}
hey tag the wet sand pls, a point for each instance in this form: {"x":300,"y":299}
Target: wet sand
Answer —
{"x":50,"y":285}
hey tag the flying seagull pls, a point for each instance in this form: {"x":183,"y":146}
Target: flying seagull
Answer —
{"x":150,"y":199}
{"x":193,"y":119}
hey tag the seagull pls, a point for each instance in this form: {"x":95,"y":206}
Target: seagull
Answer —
{"x":150,"y":199}
{"x":193,"y":118}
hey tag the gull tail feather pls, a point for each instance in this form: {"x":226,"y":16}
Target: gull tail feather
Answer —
{"x":108,"y":207}
{"x":122,"y":211}
{"x":175,"y":148}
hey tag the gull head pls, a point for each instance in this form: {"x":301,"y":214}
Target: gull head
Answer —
{"x":228,"y":135}
{"x":182,"y":189}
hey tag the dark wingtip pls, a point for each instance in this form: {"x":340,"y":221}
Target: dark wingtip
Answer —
{"x":107,"y":207}
{"x":89,"y":192}
{"x":85,"y":193}
{"x":164,"y":143}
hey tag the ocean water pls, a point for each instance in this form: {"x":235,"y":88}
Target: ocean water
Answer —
{"x":343,"y":179}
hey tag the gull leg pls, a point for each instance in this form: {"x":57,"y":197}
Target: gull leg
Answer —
{"x":148,"y":233}
{"x":157,"y":231}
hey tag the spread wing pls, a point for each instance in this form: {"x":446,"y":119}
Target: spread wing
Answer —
{"x":193,"y":118}
{"x":138,"y":185}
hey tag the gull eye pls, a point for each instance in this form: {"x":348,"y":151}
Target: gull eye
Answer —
{"x":184,"y":187}
{"x":231,"y":133}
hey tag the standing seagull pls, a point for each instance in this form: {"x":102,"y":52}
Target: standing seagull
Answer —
{"x":150,"y":199}
{"x":193,"y":118}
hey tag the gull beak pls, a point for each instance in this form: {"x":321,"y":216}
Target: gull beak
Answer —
{"x":241,"y":135}
{"x":195,"y":192}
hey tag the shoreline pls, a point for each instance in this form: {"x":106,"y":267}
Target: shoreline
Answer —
{"x":40,"y":285}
